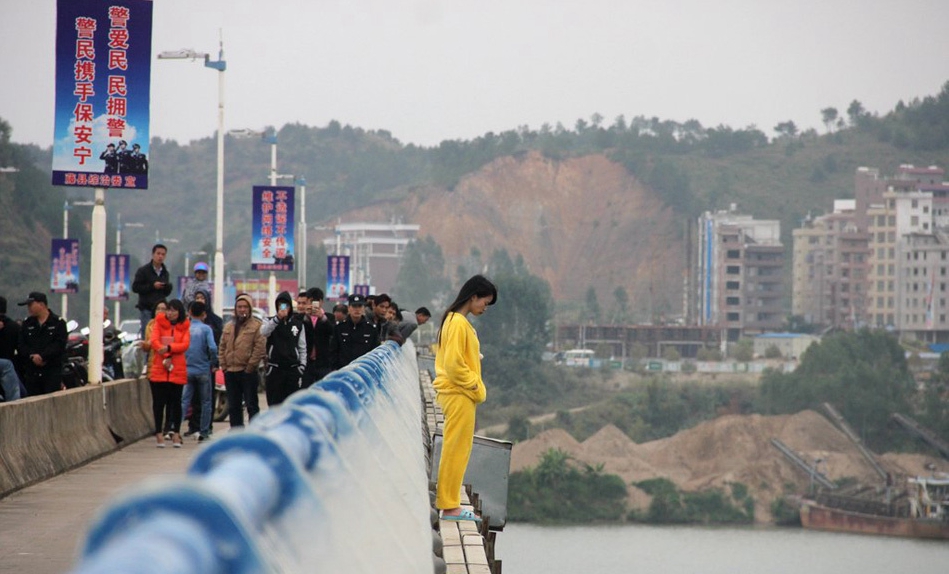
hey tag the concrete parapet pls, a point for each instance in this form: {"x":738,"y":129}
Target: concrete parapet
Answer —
{"x":43,"y":436}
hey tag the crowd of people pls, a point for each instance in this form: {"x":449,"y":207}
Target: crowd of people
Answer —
{"x":188,"y":345}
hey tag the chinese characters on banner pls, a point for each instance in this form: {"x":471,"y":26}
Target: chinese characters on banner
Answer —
{"x":117,"y":284}
{"x":272,"y":247}
{"x":337,"y":277}
{"x":103,"y":75}
{"x":361,"y":290}
{"x":64,"y":266}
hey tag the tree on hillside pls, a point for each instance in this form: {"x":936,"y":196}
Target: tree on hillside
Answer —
{"x":786,"y":129}
{"x":421,"y":280}
{"x":829,"y":117}
{"x":863,"y":374}
{"x":622,"y":305}
{"x":516,"y":326}
{"x":592,"y":305}
{"x":855,"y":112}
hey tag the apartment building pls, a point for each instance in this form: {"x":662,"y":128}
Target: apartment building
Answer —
{"x":829,"y":270}
{"x":739,"y":274}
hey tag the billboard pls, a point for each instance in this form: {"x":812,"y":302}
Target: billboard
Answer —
{"x":272,"y":246}
{"x":337,"y":277}
{"x":117,"y":281}
{"x":64,"y":266}
{"x":103,"y":76}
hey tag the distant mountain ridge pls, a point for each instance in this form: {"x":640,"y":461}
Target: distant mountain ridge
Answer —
{"x":597,"y":205}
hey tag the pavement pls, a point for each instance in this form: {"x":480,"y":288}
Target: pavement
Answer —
{"x":43,"y":526}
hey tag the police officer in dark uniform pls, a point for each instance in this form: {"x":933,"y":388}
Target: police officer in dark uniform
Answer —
{"x":110,"y":158}
{"x":355,"y":336}
{"x":41,"y":346}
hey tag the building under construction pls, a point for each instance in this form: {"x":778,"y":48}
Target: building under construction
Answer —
{"x":687,"y":340}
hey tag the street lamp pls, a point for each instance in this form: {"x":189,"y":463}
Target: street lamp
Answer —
{"x":220,"y":65}
{"x":116,"y":316}
{"x":66,"y":208}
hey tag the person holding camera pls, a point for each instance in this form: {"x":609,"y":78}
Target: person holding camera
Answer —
{"x":286,"y":350}
{"x":152,"y":283}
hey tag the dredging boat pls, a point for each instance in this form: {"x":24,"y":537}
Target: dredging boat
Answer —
{"x":921,"y":510}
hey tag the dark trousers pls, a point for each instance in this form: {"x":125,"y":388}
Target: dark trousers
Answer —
{"x":241,"y":389}
{"x":40,"y":382}
{"x":281,"y":383}
{"x":166,"y":406}
{"x":313,"y":373}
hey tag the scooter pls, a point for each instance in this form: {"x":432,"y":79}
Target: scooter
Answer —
{"x":219,"y":396}
{"x":76,"y":356}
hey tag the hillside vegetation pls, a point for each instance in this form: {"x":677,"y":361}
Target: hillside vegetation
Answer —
{"x":555,"y":196}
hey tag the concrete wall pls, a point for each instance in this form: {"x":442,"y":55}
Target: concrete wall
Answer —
{"x":43,"y":436}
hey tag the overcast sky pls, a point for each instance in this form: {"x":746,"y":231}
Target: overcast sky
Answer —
{"x":430,"y":70}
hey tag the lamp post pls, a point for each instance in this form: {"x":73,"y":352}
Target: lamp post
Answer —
{"x":271,"y":138}
{"x":220,"y":65}
{"x":116,"y":316}
{"x":66,"y":208}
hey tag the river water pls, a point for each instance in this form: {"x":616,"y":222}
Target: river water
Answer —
{"x":528,"y":549}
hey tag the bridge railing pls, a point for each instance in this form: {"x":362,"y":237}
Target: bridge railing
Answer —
{"x":333,"y":480}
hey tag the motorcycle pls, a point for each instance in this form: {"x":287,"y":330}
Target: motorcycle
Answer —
{"x":76,"y":356}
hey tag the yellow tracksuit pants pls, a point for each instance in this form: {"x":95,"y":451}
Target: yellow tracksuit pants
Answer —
{"x":457,"y":438}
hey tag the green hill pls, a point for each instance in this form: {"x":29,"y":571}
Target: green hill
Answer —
{"x":692,"y":168}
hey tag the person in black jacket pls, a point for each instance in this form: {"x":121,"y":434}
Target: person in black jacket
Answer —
{"x":152,"y":283}
{"x":41,"y":346}
{"x":286,"y":351}
{"x":319,"y":359}
{"x":355,"y":336}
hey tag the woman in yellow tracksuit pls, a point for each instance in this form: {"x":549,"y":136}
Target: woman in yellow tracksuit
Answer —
{"x":459,"y":389}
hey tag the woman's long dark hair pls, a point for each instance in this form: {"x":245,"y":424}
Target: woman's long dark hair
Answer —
{"x":479,"y":286}
{"x":177,"y":305}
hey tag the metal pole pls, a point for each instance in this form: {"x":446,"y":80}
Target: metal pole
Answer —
{"x":63,"y":305}
{"x":97,"y":288}
{"x":272,"y":284}
{"x":218,"y":278}
{"x":301,"y":250}
{"x":118,"y":249}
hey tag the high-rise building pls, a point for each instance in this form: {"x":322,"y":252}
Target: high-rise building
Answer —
{"x":739,"y":274}
{"x":830,"y":269}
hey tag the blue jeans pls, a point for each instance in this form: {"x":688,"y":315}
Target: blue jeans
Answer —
{"x":200,"y":384}
{"x":144,"y":316}
{"x":9,"y":382}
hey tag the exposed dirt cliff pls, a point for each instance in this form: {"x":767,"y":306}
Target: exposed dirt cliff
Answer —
{"x":577,"y":222}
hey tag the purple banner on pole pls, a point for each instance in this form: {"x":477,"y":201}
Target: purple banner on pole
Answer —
{"x":272,"y":246}
{"x":337,"y":277}
{"x":361,"y":290}
{"x":64,"y":266}
{"x":117,"y":282}
{"x":103,"y":77}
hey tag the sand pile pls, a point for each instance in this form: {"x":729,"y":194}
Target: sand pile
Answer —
{"x":733,"y":448}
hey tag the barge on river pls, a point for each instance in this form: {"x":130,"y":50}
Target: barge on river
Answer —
{"x":919,"y":511}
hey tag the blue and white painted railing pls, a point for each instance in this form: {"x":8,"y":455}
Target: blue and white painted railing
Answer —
{"x":333,"y":480}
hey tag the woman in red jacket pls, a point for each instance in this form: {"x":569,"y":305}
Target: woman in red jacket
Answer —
{"x":171,"y":336}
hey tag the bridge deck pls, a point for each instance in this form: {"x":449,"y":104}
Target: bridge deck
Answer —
{"x":42,"y":525}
